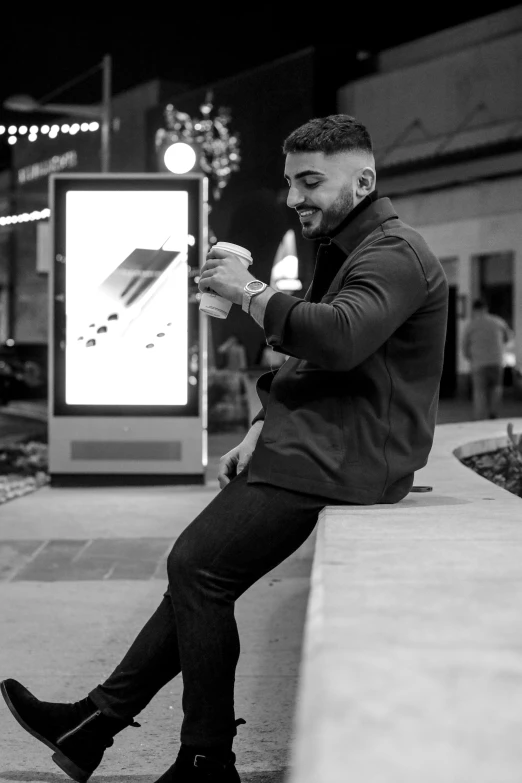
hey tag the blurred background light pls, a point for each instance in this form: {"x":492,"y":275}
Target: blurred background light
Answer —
{"x":285,"y":269}
{"x":180,"y":158}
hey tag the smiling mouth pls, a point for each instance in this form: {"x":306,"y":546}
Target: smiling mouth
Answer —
{"x":304,"y":214}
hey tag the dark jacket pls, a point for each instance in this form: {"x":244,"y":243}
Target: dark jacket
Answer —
{"x":351,"y":414}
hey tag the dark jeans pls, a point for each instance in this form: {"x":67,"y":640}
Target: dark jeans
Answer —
{"x":246,"y":531}
{"x":487,"y":391}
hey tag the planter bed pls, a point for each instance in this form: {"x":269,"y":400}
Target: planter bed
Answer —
{"x":502,"y":466}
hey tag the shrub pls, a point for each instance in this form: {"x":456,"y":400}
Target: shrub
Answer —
{"x":502,"y":466}
{"x":24,"y":458}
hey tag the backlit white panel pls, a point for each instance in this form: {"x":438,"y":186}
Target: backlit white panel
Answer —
{"x":126,"y":297}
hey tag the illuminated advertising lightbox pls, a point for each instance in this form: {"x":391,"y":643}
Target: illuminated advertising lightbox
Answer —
{"x":126,"y":314}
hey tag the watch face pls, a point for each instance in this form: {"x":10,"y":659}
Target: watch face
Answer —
{"x":255,"y":285}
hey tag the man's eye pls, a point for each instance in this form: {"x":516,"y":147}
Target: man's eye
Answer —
{"x":311,"y":184}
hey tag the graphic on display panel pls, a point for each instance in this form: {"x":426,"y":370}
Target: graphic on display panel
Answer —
{"x":126,"y":298}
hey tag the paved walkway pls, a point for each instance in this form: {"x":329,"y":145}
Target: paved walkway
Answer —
{"x":81,"y":570}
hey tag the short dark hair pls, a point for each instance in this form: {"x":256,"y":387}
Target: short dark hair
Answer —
{"x":335,"y":133}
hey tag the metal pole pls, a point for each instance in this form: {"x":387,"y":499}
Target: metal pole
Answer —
{"x":106,"y":116}
{"x":12,"y":257}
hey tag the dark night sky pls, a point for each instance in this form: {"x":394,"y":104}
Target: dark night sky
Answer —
{"x":42,"y":50}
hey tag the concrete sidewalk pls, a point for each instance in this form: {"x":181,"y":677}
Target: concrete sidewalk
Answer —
{"x":81,"y":570}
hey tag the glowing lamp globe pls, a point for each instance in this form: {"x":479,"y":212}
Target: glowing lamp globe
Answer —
{"x":180,"y":158}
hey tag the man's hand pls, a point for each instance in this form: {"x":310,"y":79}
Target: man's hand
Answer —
{"x":237,"y":459}
{"x":224,"y":274}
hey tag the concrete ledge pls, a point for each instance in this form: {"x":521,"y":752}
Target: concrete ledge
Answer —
{"x":412,"y":658}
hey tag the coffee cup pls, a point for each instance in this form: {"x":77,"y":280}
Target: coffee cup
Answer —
{"x":211,"y":303}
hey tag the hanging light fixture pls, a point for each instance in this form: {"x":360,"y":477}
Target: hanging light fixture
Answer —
{"x":285,"y":269}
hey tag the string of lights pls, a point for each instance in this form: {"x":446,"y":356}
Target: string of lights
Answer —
{"x":31,"y":132}
{"x":25,"y":217}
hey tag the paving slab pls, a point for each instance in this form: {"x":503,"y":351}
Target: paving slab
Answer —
{"x":74,"y":633}
{"x":81,"y":570}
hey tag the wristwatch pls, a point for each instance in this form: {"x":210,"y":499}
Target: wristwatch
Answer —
{"x":253,"y":288}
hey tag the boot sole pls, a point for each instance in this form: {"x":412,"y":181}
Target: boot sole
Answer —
{"x":65,"y":764}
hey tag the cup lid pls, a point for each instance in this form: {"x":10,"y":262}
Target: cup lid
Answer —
{"x":235,"y":249}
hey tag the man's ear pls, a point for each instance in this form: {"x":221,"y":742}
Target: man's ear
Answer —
{"x":365,"y":182}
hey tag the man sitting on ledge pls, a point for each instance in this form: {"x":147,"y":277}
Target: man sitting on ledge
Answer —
{"x":347,"y":419}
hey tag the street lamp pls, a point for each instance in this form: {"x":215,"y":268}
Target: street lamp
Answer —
{"x":204,"y":140}
{"x":180,"y":157}
{"x":102,"y":112}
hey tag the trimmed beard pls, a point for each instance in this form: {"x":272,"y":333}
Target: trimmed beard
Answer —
{"x":333,"y":216}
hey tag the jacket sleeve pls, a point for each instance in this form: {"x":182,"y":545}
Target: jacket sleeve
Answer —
{"x":263,"y":385}
{"x":383,"y":286}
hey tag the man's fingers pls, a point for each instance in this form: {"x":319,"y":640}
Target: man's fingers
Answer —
{"x":217,"y":253}
{"x":206,"y":275}
{"x":223,"y":481}
{"x":226,"y":469}
{"x":211,"y":263}
{"x":231,"y":465}
{"x":228,"y":460}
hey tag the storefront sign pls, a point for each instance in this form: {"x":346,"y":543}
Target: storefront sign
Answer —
{"x":57,"y":163}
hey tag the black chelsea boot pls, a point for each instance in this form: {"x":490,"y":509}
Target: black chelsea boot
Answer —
{"x":203,"y":765}
{"x":78,"y":733}
{"x":193,"y":767}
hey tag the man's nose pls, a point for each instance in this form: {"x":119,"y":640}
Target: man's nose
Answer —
{"x":294,"y":198}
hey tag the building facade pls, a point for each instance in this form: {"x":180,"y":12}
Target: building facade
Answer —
{"x":445,"y":114}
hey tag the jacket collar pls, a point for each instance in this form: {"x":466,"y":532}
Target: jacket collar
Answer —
{"x":365,"y":218}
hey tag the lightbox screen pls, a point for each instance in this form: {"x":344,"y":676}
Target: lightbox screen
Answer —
{"x":126,"y":297}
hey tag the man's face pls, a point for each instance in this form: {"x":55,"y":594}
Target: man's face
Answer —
{"x":321,"y":189}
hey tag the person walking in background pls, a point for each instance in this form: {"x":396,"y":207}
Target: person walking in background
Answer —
{"x":483,"y":344}
{"x":347,"y":419}
{"x":234,"y":354}
{"x":232,"y":373}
